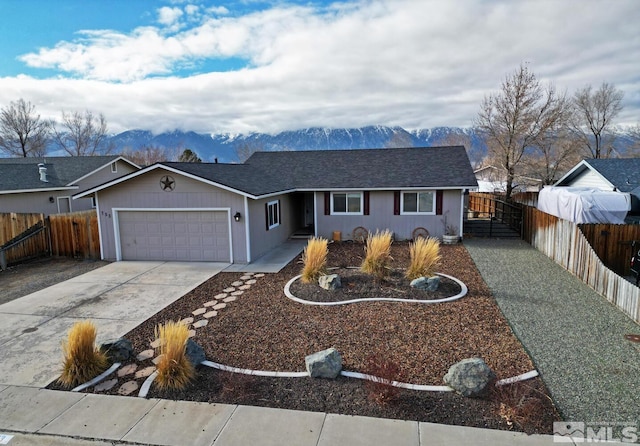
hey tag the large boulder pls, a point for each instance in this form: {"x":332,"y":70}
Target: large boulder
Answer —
{"x":330,"y":282}
{"x":195,"y":353}
{"x":117,"y":350}
{"x":426,"y":283}
{"x":470,"y":377}
{"x":324,"y":364}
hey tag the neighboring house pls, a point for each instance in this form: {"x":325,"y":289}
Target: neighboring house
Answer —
{"x":45,"y":185}
{"x":490,"y":179}
{"x":612,"y":174}
{"x":238,"y":212}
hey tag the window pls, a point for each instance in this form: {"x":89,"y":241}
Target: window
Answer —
{"x":273,"y":214}
{"x":418,"y":203}
{"x":346,"y":203}
{"x":114,"y":167}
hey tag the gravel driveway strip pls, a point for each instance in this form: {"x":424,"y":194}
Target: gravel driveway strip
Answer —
{"x":574,"y":335}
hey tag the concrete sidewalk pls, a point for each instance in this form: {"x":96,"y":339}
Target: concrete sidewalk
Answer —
{"x":48,"y":417}
{"x":116,"y":297}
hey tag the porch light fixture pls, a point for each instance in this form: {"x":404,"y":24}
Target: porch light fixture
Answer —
{"x":51,"y":200}
{"x":237,"y":216}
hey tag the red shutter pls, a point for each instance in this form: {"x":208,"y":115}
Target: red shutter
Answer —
{"x":396,"y":202}
{"x":327,"y":203}
{"x":366,"y":203}
{"x":266,"y":215}
{"x":438,"y":202}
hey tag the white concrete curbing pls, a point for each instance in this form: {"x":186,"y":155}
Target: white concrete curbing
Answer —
{"x":98,"y":378}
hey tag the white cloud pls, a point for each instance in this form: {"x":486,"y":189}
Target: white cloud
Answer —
{"x":169,"y":16}
{"x":408,"y":63}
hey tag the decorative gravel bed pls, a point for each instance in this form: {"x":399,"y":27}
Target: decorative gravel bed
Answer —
{"x":263,"y":330}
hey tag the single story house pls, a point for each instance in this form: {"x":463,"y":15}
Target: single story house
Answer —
{"x":45,"y":185}
{"x":611,"y":174}
{"x":238,"y":212}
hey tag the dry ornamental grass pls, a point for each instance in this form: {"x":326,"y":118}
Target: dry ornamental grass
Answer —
{"x":425,"y":257}
{"x":314,"y":258}
{"x":174,"y":369}
{"x":83,"y":361}
{"x":377,"y":254}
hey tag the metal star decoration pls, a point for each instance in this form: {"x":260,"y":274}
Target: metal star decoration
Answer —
{"x":167,"y":183}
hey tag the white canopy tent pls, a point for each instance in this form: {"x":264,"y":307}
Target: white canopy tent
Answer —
{"x":584,"y":204}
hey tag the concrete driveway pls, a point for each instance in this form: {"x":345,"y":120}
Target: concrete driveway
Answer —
{"x":116,"y":297}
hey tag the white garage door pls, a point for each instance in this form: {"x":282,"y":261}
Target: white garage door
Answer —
{"x":195,"y":236}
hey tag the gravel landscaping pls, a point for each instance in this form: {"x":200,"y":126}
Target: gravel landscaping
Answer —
{"x":263,"y":330}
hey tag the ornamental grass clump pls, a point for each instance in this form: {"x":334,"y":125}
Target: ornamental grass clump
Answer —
{"x":175,"y":370}
{"x":314,"y":258}
{"x":83,"y":360}
{"x":425,"y":257}
{"x":377,"y":254}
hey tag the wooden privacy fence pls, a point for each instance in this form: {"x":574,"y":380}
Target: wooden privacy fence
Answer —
{"x":16,"y":248}
{"x":564,"y":242}
{"x":612,"y":243}
{"x":75,"y":235}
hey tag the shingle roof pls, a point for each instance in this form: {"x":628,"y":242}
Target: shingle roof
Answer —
{"x":23,"y":173}
{"x":623,"y":173}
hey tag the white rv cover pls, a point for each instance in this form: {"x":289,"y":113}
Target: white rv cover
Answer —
{"x":584,"y":204}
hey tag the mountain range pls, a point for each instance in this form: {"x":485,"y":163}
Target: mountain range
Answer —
{"x":228,"y":148}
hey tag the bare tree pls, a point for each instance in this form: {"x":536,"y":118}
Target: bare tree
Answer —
{"x":512,"y":120}
{"x":475,"y":153}
{"x":245,"y":149}
{"x":594,"y":114}
{"x":189,"y":156}
{"x":82,"y":134}
{"x":148,"y":155}
{"x":22,"y":132}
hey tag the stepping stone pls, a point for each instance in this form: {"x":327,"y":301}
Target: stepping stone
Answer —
{"x":246,"y":277}
{"x":210,"y":314}
{"x":156,"y":343}
{"x":199,"y":311}
{"x":258,"y":275}
{"x":219,"y":306}
{"x":230,"y":299}
{"x":128,"y":388}
{"x":106,"y":385}
{"x":235,"y":294}
{"x":147,"y":354}
{"x":192,"y":333}
{"x":211,"y":303}
{"x":130,"y":368}
{"x":228,"y":290}
{"x":251,"y":282}
{"x":220,"y":296}
{"x":187,"y":321}
{"x":145,"y":372}
{"x":156,"y":360}
{"x":244,"y":287}
{"x":201,"y":323}
{"x":237,"y":283}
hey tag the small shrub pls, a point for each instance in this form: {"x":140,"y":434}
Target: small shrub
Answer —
{"x":174,"y":369}
{"x":238,"y":385}
{"x":519,"y":404}
{"x":83,"y":360}
{"x":385,"y":372}
{"x":377,"y":254}
{"x":425,"y":257}
{"x":314,"y":258}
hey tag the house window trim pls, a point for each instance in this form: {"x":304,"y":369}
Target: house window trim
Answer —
{"x":360,"y":193}
{"x":114,"y":167}
{"x":417,"y":192}
{"x":275,"y":214}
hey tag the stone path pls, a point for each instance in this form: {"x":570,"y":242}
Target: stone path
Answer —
{"x":126,"y":377}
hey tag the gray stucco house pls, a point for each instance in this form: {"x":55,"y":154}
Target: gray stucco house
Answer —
{"x":45,"y":185}
{"x":238,"y":212}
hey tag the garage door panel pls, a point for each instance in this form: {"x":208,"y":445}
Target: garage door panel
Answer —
{"x":174,"y":235}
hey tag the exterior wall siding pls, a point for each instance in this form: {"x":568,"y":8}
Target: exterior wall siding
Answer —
{"x":144,"y":192}
{"x":263,"y":240}
{"x":38,"y":202}
{"x":104,"y":175}
{"x":590,"y":179}
{"x":381,"y":217}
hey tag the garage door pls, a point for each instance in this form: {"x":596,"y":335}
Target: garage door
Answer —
{"x":195,"y":236}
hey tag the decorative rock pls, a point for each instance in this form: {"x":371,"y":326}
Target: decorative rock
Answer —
{"x":324,"y":364}
{"x":145,"y":372}
{"x":119,"y":350}
{"x":210,"y":314}
{"x":246,"y":277}
{"x":106,"y":385}
{"x":156,"y":343}
{"x":192,"y":333}
{"x":199,"y":311}
{"x":235,"y":293}
{"x":195,"y":353}
{"x":187,"y":321}
{"x":211,"y":303}
{"x":258,"y":275}
{"x":219,"y":306}
{"x":147,"y":354}
{"x":244,"y":287}
{"x":250,"y":282}
{"x":330,"y":282}
{"x":128,"y":369}
{"x":157,"y":359}
{"x":220,"y":296}
{"x":469,"y":377}
{"x":230,"y":299}
{"x":201,"y":323}
{"x":229,"y":290}
{"x":237,"y":283}
{"x":426,"y":283}
{"x":128,"y":388}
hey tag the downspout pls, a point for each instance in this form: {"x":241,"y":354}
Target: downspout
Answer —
{"x":461,"y":212}
{"x":247,"y":238}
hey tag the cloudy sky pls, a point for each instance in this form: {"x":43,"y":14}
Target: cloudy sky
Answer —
{"x":267,"y":66}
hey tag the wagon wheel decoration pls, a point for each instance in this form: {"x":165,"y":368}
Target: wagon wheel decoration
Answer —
{"x":419,"y":232}
{"x":360,"y":234}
